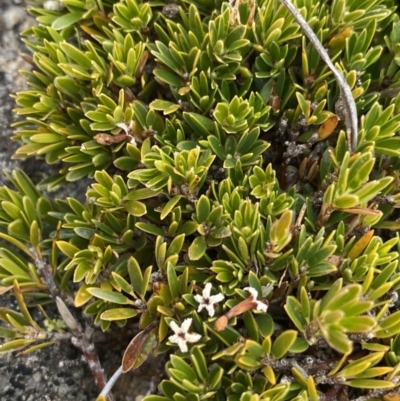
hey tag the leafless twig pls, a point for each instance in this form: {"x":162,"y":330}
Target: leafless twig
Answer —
{"x":347,"y":97}
{"x":110,"y":384}
{"x":80,"y":339}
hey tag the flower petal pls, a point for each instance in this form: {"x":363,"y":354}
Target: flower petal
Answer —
{"x":210,"y":309}
{"x":174,"y":338}
{"x":216,"y":298}
{"x":199,"y":298}
{"x":192,"y":337}
{"x":183,"y":346}
{"x":252,"y":291}
{"x":262,"y":306}
{"x":207,"y":290}
{"x":174,"y":327}
{"x":186,"y":325}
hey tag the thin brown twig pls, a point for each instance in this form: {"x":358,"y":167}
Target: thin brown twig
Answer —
{"x":79,"y":338}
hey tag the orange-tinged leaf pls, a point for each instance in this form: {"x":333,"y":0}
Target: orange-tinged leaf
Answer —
{"x":360,"y":245}
{"x":362,"y":211}
{"x":3,"y":290}
{"x":327,"y":127}
{"x":391,"y":397}
{"x":340,"y":38}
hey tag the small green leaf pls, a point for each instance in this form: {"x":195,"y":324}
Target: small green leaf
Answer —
{"x":176,"y":245}
{"x":121,"y":283}
{"x":15,"y":345}
{"x":346,"y":201}
{"x":388,"y":146}
{"x":150,"y":228}
{"x":294,"y":310}
{"x":389,"y":321}
{"x":299,"y":346}
{"x":142,"y":193}
{"x":109,"y":296}
{"x":283,"y":343}
{"x":154,"y":398}
{"x":169,"y":206}
{"x":22,"y":306}
{"x":7,"y":333}
{"x":82,"y":296}
{"x":254,"y":282}
{"x":216,"y":375}
{"x":135,"y":274}
{"x":76,"y":55}
{"x":203,"y":209}
{"x":183,"y":367}
{"x":67,"y":20}
{"x":67,"y":249}
{"x":35,"y":348}
{"x":164,"y":106}
{"x":338,"y":341}
{"x":16,"y":243}
{"x":198,"y":248}
{"x":265,"y":325}
{"x":135,"y":208}
{"x":199,"y":363}
{"x":146,"y":280}
{"x":370,"y":384}
{"x":118,"y":314}
{"x":35,"y":234}
{"x":172,"y":281}
{"x":251,"y":326}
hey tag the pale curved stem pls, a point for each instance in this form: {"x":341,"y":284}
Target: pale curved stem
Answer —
{"x":110,"y":384}
{"x":347,"y":96}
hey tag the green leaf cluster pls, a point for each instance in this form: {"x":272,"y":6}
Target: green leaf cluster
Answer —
{"x":222,"y":193}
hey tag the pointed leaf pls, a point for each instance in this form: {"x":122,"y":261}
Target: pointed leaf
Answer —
{"x":198,"y":248}
{"x":139,"y":349}
{"x":109,"y":296}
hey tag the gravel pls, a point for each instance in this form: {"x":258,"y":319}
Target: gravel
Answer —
{"x":38,"y":375}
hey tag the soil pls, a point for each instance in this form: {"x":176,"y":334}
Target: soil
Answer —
{"x":38,"y":376}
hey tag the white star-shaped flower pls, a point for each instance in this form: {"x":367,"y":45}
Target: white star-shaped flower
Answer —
{"x":182,"y":335}
{"x":207,"y":301}
{"x":254,"y":293}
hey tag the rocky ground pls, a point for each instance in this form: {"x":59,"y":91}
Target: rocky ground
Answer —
{"x":38,"y":376}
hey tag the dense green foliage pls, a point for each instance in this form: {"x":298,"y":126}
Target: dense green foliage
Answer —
{"x":215,"y":140}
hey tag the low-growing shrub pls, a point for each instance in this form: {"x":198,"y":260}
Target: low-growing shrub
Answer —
{"x":232,"y":213}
